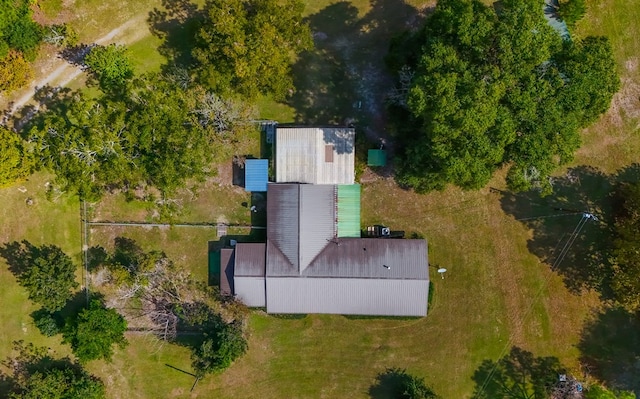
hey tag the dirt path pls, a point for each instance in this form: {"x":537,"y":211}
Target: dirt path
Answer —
{"x":60,"y":73}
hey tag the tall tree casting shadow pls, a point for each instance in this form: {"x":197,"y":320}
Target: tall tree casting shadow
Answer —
{"x":573,"y":244}
{"x":344,"y":77}
{"x":518,"y":375}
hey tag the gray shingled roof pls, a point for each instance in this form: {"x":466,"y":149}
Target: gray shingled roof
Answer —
{"x":250,"y":259}
{"x":226,"y":271}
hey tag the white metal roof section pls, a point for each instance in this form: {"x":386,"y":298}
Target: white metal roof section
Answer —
{"x":250,"y":290}
{"x":383,"y":297}
{"x":317,"y":220}
{"x":317,"y":155}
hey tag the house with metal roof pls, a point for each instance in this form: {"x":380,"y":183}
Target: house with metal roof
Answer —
{"x":315,"y":155}
{"x":314,"y":259}
{"x":315,"y":262}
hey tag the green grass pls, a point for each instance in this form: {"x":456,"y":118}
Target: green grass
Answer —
{"x":497,"y":292}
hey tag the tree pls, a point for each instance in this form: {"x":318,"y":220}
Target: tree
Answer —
{"x":156,"y":133}
{"x":94,"y":331}
{"x":15,"y":71}
{"x":626,"y":255}
{"x":18,"y":31}
{"x":396,"y":383}
{"x":571,"y":11}
{"x":219,"y":350}
{"x":491,"y":87}
{"x":37,"y":375}
{"x":248,"y":46}
{"x":46,"y":272}
{"x":15,"y":162}
{"x":111,"y":66}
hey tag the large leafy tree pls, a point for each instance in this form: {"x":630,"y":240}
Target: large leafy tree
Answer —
{"x":94,"y":331}
{"x":46,"y":272}
{"x":111,"y":66}
{"x":493,"y":87}
{"x":219,"y":349}
{"x":248,"y":46}
{"x":15,"y":162}
{"x":156,"y":133}
{"x":17,"y":28}
{"x":37,"y":375}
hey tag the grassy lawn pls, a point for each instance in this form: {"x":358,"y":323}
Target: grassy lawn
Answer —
{"x":498,"y":291}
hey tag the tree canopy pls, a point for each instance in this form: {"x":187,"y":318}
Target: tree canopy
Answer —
{"x":15,"y":162}
{"x":248,"y":46}
{"x":493,"y":87}
{"x":156,"y":133}
{"x":219,"y":348}
{"x":46,"y":272}
{"x":37,"y":375}
{"x":94,"y":331}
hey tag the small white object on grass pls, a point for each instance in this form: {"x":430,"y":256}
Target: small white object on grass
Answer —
{"x":442,"y":271}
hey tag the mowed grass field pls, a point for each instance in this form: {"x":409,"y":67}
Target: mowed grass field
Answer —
{"x":499,"y":290}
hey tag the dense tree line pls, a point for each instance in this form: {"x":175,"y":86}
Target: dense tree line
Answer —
{"x":486,"y":87}
{"x":154,"y":132}
{"x":36,"y":374}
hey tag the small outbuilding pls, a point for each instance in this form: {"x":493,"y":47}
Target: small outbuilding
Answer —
{"x":256,"y":174}
{"x":377,"y":157}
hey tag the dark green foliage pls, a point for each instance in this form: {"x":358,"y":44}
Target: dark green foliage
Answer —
{"x":219,"y":349}
{"x":396,"y":383}
{"x":46,"y":322}
{"x":46,"y":272}
{"x":111,"y":66}
{"x":247,"y":46}
{"x":154,"y":134}
{"x":572,"y":11}
{"x":17,"y":29}
{"x":626,"y":279}
{"x":94,"y":331}
{"x":493,"y":88}
{"x":517,"y":375}
{"x":36,"y":375}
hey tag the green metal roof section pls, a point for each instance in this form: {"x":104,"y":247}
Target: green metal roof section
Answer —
{"x":348,"y":210}
{"x":377,"y":158}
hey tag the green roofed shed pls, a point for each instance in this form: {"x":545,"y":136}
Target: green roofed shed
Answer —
{"x":348,"y":205}
{"x":377,"y":158}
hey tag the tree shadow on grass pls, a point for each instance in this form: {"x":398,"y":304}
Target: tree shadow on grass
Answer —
{"x":19,"y":256}
{"x":177,"y":25}
{"x":344,"y":79}
{"x":394,"y":383}
{"x":573,"y":245}
{"x":517,"y":375}
{"x":610,"y":347}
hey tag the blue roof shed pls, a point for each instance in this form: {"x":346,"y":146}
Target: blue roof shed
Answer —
{"x":256,"y":174}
